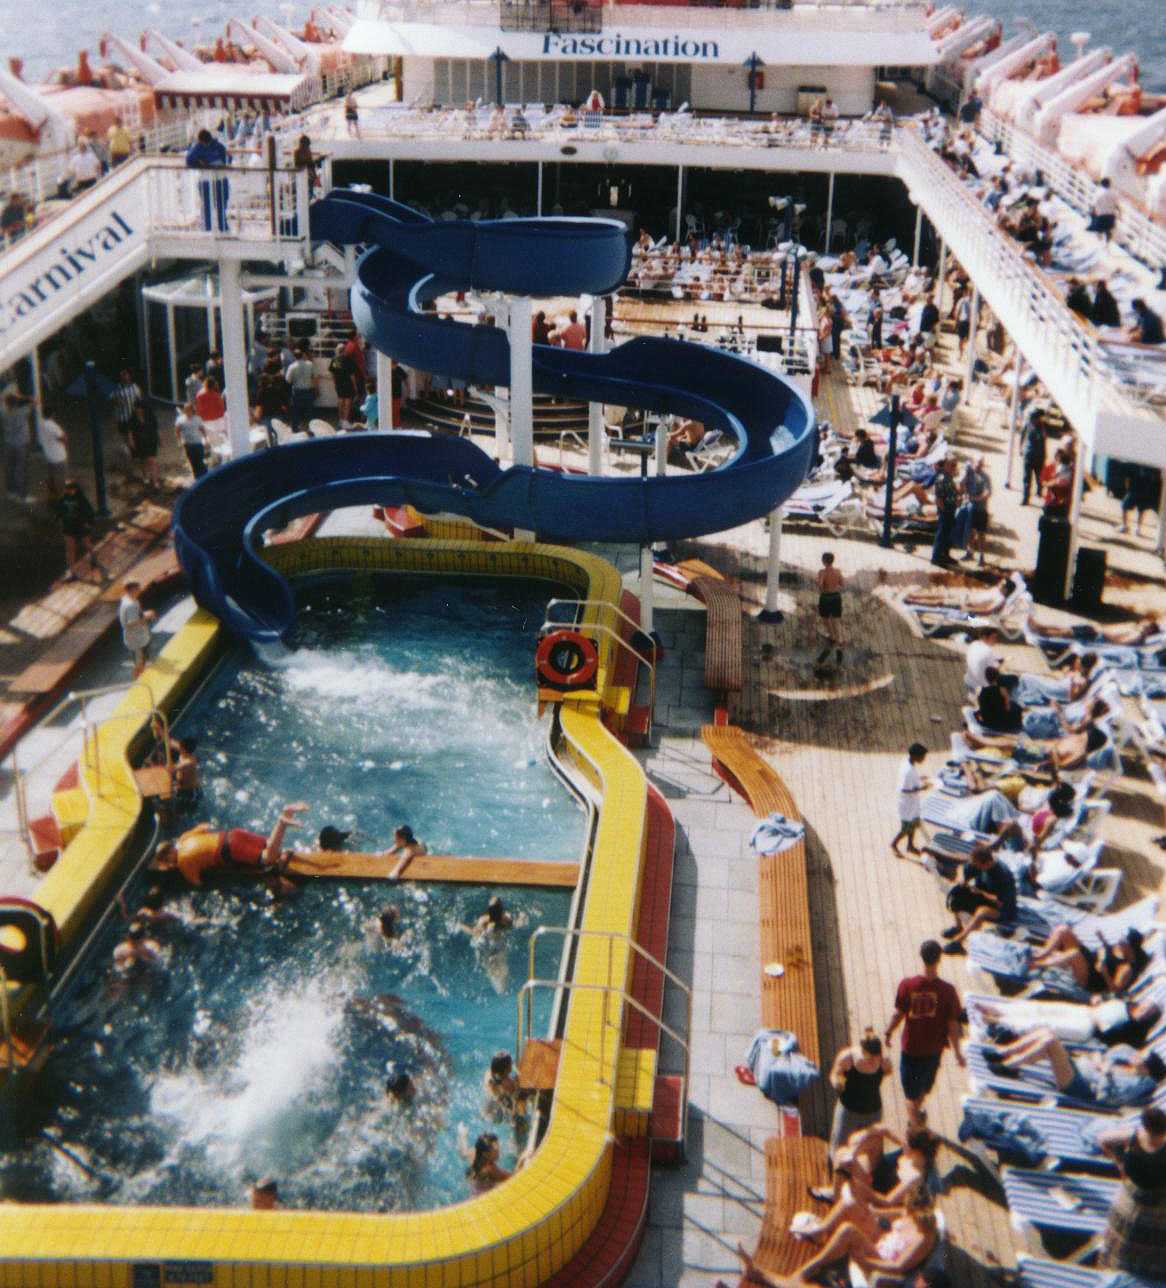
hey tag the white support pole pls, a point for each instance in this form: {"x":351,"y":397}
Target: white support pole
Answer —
{"x":37,"y":383}
{"x":973,"y":327}
{"x":918,"y":236}
{"x":596,"y":434}
{"x":661,"y":447}
{"x":384,"y":391}
{"x":538,"y":207}
{"x":772,"y":611}
{"x":521,"y":381}
{"x":1013,"y":412}
{"x":647,"y":563}
{"x":940,"y":274}
{"x":679,"y":200}
{"x":234,"y":357}
{"x":1075,"y":515}
{"x":829,"y":213}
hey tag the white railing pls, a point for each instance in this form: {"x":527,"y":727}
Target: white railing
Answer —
{"x":1135,"y":230}
{"x":1066,"y":356}
{"x":801,"y":14}
{"x":236,"y":203}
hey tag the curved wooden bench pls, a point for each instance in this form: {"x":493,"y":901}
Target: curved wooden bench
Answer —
{"x":788,"y":1000}
{"x":724,"y":637}
{"x":790,"y":1165}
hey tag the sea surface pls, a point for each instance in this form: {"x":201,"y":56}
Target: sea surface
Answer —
{"x":54,"y":35}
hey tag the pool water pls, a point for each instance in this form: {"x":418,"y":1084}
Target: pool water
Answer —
{"x":259,"y":1045}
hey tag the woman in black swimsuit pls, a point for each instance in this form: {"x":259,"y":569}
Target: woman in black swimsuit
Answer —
{"x":1111,"y":971}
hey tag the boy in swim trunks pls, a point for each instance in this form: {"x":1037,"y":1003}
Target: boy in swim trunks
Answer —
{"x":830,"y":583}
{"x":203,"y":850}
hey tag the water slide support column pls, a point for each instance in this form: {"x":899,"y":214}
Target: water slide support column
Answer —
{"x":771,"y":612}
{"x":679,"y":200}
{"x":918,"y":236}
{"x":1013,"y":412}
{"x":384,"y":391}
{"x":973,"y":327}
{"x":647,"y":562}
{"x":829,"y":213}
{"x":234,"y":357}
{"x":595,"y":430}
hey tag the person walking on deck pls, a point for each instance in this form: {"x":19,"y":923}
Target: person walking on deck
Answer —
{"x":928,"y":1008}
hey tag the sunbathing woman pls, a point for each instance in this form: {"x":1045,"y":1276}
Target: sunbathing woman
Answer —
{"x":909,"y":501}
{"x":979,"y":601}
{"x":1067,"y":752}
{"x":1131,"y":633}
{"x":1109,"y":1081}
{"x":854,"y":1231}
{"x":1112,"y":1022}
{"x":1113,"y":970}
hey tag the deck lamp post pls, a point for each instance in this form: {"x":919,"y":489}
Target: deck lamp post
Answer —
{"x":498,"y":57}
{"x":754,"y":63}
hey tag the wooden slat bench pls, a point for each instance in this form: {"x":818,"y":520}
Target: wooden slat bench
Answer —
{"x":737,"y":761}
{"x":724,"y":638}
{"x":788,"y":1000}
{"x":790,"y":1165}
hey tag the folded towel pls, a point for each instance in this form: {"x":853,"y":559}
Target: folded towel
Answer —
{"x":775,"y":834}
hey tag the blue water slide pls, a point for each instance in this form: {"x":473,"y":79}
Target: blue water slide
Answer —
{"x":410,"y":260}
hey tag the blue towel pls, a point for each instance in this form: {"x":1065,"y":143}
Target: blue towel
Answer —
{"x":1042,"y":723}
{"x":782,"y":1075}
{"x":1007,"y":1131}
{"x":775,"y":834}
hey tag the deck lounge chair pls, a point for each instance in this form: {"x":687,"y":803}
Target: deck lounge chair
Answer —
{"x":1067,"y":1135}
{"x":1036,"y":1272}
{"x":1036,"y":1082}
{"x":1056,"y":1201}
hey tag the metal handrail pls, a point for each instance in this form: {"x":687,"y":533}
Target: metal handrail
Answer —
{"x":596,"y":603}
{"x":583,"y":627}
{"x":531,"y":984}
{"x":578,"y":932}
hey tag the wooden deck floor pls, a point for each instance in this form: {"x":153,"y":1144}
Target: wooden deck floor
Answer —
{"x":838,"y":742}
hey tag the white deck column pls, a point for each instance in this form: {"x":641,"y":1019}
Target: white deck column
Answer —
{"x":973,"y":327}
{"x":1075,"y":515}
{"x":661,"y":447}
{"x":521,"y":381}
{"x":234,"y":357}
{"x":384,"y":391}
{"x":829,"y":212}
{"x":595,"y":429}
{"x":647,"y":563}
{"x":940,"y":272}
{"x":1013,"y":412}
{"x":918,"y":236}
{"x":772,"y":612}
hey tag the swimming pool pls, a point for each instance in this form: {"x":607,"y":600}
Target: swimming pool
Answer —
{"x":403,"y":699}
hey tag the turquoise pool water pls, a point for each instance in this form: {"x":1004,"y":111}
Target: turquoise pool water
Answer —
{"x":259,"y":1045}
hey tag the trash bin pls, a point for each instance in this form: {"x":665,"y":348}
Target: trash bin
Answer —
{"x":1088,"y":580}
{"x":1052,"y":560}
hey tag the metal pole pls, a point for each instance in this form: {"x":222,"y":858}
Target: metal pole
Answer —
{"x":646,"y":568}
{"x":661,"y":447}
{"x":973,"y":327}
{"x":679,"y":200}
{"x":1075,"y":515}
{"x":771,"y":612}
{"x":595,"y":428}
{"x":234,"y":358}
{"x":918,"y":236}
{"x":940,"y":274}
{"x":538,"y":203}
{"x":521,"y":376}
{"x":384,"y":391}
{"x":829,"y":212}
{"x":95,"y":437}
{"x":892,"y":450}
{"x":1013,"y":414}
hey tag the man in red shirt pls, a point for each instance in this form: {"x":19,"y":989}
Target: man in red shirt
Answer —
{"x":929,"y":1010}
{"x":573,"y":335}
{"x":355,"y":350}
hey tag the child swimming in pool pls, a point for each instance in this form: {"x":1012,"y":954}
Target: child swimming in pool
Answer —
{"x":405,"y":848}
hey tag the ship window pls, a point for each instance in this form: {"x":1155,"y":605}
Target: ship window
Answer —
{"x":441,"y":89}
{"x":458,"y":87}
{"x":480,"y":85}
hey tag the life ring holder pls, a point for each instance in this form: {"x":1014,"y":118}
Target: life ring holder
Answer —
{"x":32,"y":961}
{"x":566,"y":660}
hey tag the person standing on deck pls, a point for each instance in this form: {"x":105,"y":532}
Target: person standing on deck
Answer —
{"x":912,"y":785}
{"x":830,"y":583}
{"x":1034,"y":442}
{"x":946,"y":504}
{"x":928,"y":1008}
{"x":207,"y":153}
{"x":135,"y":625}
{"x":126,"y":395}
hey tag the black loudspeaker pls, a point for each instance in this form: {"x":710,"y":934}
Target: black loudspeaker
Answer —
{"x":770,"y":344}
{"x":1088,"y":580}
{"x":1052,"y":561}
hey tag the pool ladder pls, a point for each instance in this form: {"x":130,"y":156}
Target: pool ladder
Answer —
{"x":525,"y":1005}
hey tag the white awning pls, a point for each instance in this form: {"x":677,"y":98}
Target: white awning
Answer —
{"x":708,"y":45}
{"x":231,"y":89}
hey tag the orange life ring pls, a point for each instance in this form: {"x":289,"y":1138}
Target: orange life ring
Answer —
{"x":28,"y":941}
{"x":566,"y":660}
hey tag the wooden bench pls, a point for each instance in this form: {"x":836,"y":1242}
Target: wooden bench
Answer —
{"x":790,"y":1166}
{"x":737,"y":761}
{"x":788,"y":1000}
{"x":724,"y":638}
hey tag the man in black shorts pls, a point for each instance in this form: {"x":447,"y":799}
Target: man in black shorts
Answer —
{"x":830,"y":583}
{"x":929,"y":1010}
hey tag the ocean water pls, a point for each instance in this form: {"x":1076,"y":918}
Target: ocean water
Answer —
{"x":67,"y":25}
{"x":259,"y":1044}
